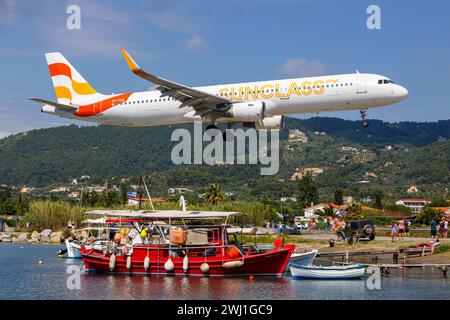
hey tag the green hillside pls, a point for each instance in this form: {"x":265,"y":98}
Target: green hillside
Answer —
{"x":419,"y":154}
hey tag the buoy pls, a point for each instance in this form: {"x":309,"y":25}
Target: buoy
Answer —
{"x":129,"y":262}
{"x":40,"y":262}
{"x":112,"y":262}
{"x":169,"y":266}
{"x":233,"y":264}
{"x":204,"y":267}
{"x":185,"y":263}
{"x":123,"y":232}
{"x":251,"y":278}
{"x":143,"y":233}
{"x":146,"y":263}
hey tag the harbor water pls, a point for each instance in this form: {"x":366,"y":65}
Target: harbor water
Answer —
{"x":23,"y":277}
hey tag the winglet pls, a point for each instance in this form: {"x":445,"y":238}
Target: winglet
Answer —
{"x":130,"y":61}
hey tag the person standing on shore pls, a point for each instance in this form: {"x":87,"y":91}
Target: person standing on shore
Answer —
{"x":407,"y":227}
{"x":445,"y":228}
{"x":394,"y":231}
{"x":433,"y":229}
{"x":441,"y":228}
{"x":401,"y":229}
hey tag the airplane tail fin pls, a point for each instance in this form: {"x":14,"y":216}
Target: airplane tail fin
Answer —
{"x":70,"y":86}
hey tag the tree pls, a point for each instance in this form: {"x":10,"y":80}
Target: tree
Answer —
{"x":123,"y":193}
{"x":327,"y":211}
{"x":354,"y":211}
{"x":214,"y":195}
{"x":339,"y":197}
{"x":428,"y":214}
{"x":378,"y":197}
{"x":439,"y":203}
{"x":307,"y":191}
{"x":396,"y":208}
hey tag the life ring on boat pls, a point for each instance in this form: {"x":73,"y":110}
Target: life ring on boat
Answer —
{"x":278,"y":243}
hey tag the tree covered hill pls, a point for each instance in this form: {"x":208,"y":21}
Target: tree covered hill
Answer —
{"x":416,"y":156}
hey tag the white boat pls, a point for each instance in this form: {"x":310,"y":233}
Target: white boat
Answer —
{"x":73,"y":250}
{"x":354,"y":271}
{"x":303,"y":259}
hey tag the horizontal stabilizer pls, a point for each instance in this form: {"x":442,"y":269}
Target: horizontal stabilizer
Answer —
{"x":57,"y":105}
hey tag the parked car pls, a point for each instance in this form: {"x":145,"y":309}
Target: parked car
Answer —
{"x":357,"y":230}
{"x":292,"y":231}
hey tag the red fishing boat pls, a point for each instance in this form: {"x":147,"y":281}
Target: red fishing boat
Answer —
{"x":190,"y":243}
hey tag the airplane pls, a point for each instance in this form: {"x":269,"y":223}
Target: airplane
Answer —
{"x":261,"y":104}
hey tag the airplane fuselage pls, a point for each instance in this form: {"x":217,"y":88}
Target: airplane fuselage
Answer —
{"x":281,"y":97}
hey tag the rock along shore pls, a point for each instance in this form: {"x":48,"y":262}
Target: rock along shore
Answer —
{"x":46,"y":236}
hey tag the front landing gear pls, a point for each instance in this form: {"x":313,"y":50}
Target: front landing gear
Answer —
{"x":364,"y":122}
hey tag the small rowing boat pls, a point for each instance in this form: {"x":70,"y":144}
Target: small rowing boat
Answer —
{"x":354,"y":271}
{"x":303,"y":259}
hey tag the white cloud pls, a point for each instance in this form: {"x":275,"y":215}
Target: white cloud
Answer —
{"x":172,"y":21}
{"x":301,"y":67}
{"x":194,"y":42}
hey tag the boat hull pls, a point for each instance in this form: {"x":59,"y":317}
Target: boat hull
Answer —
{"x":271,"y":263}
{"x":303,"y":259}
{"x":328,"y":273}
{"x":73,"y":250}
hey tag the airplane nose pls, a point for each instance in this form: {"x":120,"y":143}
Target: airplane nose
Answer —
{"x":401,"y":92}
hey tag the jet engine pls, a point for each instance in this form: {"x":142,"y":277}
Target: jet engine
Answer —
{"x":250,"y":111}
{"x":270,"y":123}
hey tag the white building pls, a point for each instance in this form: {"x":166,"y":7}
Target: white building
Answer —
{"x":416,"y":205}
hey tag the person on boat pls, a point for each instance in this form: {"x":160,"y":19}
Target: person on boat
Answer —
{"x":394,"y":231}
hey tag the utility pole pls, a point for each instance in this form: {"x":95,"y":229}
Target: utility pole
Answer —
{"x":140,"y":190}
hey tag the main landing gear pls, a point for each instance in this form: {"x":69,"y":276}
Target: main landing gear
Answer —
{"x":364,"y":122}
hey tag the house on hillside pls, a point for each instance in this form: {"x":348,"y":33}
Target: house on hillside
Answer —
{"x":297,"y":136}
{"x":412,"y":189}
{"x":416,"y":205}
{"x":300,"y":173}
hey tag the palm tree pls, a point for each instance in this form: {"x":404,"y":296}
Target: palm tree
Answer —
{"x":354,"y":211}
{"x":214,"y":195}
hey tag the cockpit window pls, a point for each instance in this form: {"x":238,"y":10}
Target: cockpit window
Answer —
{"x":385,"y":81}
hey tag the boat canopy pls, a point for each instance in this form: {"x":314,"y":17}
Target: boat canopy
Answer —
{"x":94,"y":221}
{"x":165,"y":214}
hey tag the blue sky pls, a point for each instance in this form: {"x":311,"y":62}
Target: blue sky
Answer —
{"x":207,"y":42}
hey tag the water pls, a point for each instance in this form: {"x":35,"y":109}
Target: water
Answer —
{"x":21,"y":277}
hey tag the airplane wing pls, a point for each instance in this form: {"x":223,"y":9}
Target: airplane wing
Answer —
{"x":57,"y":105}
{"x":201,"y":101}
